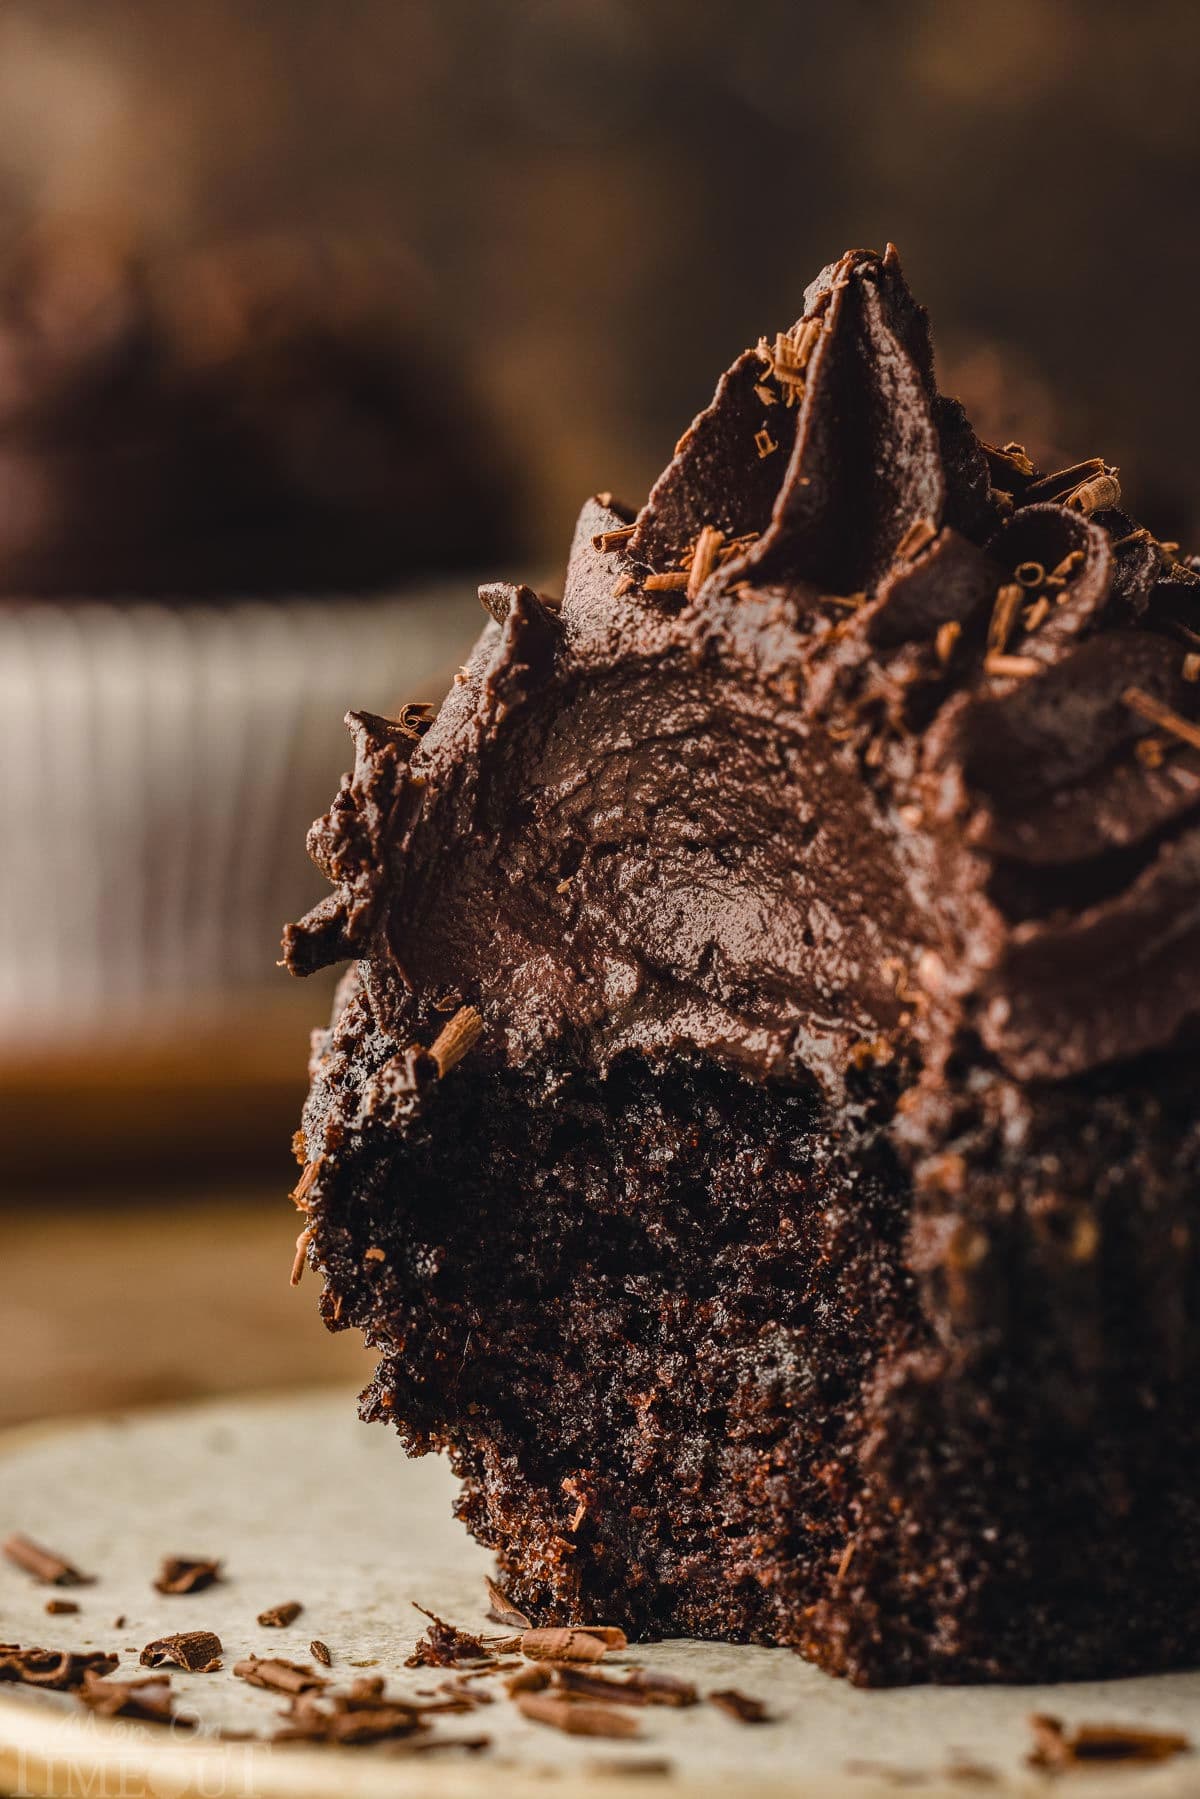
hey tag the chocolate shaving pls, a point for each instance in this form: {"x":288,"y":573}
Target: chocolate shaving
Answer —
{"x":919,"y":533}
{"x":415,"y":718}
{"x":503,"y":1610}
{"x":675,"y":582}
{"x":1057,"y":1747}
{"x":1011,"y":667}
{"x":320,"y":1653}
{"x":531,"y":1679}
{"x":704,"y":557}
{"x":149,"y":1700}
{"x":946,"y":639}
{"x":576,"y":1718}
{"x":276,"y":1616}
{"x":633,"y":1765}
{"x":469,"y":1745}
{"x":740,"y":1706}
{"x":573,"y":1643}
{"x":764,"y":443}
{"x":587,"y":1683}
{"x":299,"y":1193}
{"x":1063,"y":480}
{"x":350,"y":1719}
{"x":1009,"y":599}
{"x":1011,"y":457}
{"x":44,"y":1564}
{"x":62,"y":1670}
{"x":278,"y":1676}
{"x":615,"y":539}
{"x":1146,"y":706}
{"x":663,"y":1689}
{"x":300,"y":1262}
{"x":199,"y":1651}
{"x":59,"y":1608}
{"x":455,"y":1038}
{"x":186,"y":1574}
{"x":1097,"y":495}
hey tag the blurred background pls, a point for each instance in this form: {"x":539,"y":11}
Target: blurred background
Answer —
{"x":311,"y":316}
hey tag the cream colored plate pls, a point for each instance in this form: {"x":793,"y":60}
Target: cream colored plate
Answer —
{"x":304,"y":1502}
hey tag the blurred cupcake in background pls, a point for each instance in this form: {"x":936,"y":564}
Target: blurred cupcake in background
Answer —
{"x":233,"y":488}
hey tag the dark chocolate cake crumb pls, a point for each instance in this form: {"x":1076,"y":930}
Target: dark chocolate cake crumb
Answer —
{"x":185,"y":1574}
{"x":44,"y":1564}
{"x":444,"y":1644}
{"x":199,"y":1651}
{"x":277,"y":1616}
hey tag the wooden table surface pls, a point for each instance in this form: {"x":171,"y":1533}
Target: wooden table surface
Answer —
{"x":111,"y":1301}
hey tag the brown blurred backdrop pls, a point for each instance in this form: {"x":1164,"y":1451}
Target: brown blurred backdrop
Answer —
{"x":607,"y":198}
{"x":596,"y":204}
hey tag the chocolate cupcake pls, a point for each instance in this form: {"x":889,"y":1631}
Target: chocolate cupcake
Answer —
{"x":758,"y":1127}
{"x":231,"y":487}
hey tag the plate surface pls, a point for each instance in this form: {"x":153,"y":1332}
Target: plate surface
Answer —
{"x":303,"y":1502}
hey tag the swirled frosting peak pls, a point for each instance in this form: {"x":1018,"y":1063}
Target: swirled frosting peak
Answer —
{"x":862,"y":741}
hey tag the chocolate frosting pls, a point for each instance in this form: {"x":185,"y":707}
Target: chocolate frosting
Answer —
{"x":863,"y":743}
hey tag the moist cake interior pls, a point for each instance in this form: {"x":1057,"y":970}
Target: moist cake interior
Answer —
{"x":677,"y":1270}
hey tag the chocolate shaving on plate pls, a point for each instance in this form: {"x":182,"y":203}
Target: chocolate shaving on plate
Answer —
{"x":572,"y":1643}
{"x":1056,"y":1745}
{"x":60,"y":1608}
{"x":186,"y":1574}
{"x":740,"y":1706}
{"x":149,"y":1700}
{"x":44,"y":1564}
{"x":276,"y":1616}
{"x":633,"y":1765}
{"x":575,"y":1717}
{"x":198,"y":1651}
{"x":469,"y":1745}
{"x":531,"y":1679}
{"x":59,"y":1669}
{"x":503,"y":1611}
{"x":279,"y":1676}
{"x":663,"y":1689}
{"x":320,"y":1653}
{"x":362,"y":1714}
{"x":588,"y":1683}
